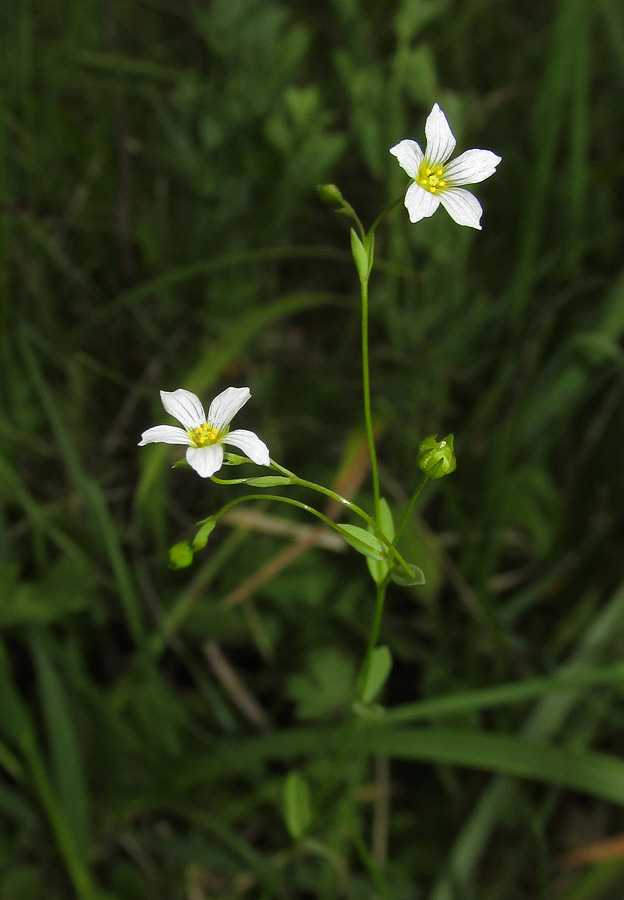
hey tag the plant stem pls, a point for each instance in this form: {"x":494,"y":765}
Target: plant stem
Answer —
{"x":302,"y":482}
{"x":382,"y":215}
{"x":408,"y":511}
{"x":374,"y":634}
{"x":370,"y":865}
{"x":367,"y":403}
{"x":278,"y":499}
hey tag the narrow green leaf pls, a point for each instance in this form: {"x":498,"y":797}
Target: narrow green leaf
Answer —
{"x":297,"y":809}
{"x":361,"y":540}
{"x":360,"y":256}
{"x":267,"y":481}
{"x":95,"y":503}
{"x":593,"y":773}
{"x":369,"y":246}
{"x":515,"y":692}
{"x":201,"y":538}
{"x":14,"y":717}
{"x":66,"y":759}
{"x":378,"y":671}
{"x":379,"y":568}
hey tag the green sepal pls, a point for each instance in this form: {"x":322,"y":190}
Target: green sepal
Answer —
{"x":360,"y":256}
{"x":379,"y":568}
{"x":297,"y":808}
{"x":180,"y":464}
{"x":361,"y":540}
{"x":181,"y":555}
{"x":233,"y":459}
{"x":400,"y":576}
{"x":201,"y":538}
{"x":369,"y":247}
{"x":267,"y":481}
{"x":378,"y":671}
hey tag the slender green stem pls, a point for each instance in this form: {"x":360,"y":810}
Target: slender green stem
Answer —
{"x":332,"y":776}
{"x":409,"y":509}
{"x":319,"y":515}
{"x":228,"y":480}
{"x":349,"y":211}
{"x":321,"y":489}
{"x":370,"y":865}
{"x":381,"y":537}
{"x":278,"y":499}
{"x":351,"y":724}
{"x":382,"y":215}
{"x":367,"y":403}
{"x":374,"y":635}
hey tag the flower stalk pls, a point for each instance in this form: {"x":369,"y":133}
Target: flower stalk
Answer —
{"x":435,"y":180}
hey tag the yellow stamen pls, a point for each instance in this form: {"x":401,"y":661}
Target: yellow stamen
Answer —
{"x":203,"y":435}
{"x":431,"y":178}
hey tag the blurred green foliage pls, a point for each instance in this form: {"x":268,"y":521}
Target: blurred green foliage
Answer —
{"x":159,"y":227}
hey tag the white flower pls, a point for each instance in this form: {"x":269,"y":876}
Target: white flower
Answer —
{"x":203,"y":434}
{"x":436,"y":180}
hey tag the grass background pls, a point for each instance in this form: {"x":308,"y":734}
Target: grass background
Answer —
{"x":159,"y":227}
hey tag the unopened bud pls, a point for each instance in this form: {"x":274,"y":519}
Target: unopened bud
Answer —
{"x":330,"y":194}
{"x":437,"y":458}
{"x":181,"y":555}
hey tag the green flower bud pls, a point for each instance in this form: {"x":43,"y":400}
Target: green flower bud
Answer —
{"x":437,"y":458}
{"x":330,"y":194}
{"x":181,"y":555}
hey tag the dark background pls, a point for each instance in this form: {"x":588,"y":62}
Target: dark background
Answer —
{"x":160,"y":228}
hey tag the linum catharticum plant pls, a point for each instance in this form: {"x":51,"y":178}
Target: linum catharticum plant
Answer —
{"x":434,"y":181}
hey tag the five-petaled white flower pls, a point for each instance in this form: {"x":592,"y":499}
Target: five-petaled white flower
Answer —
{"x":203,"y":434}
{"x":436,"y":180}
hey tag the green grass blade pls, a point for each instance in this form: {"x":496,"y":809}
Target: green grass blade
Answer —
{"x":15,"y":718}
{"x":93,"y":500}
{"x":64,"y":747}
{"x":516,"y":692}
{"x":543,"y":724}
{"x":596,"y":774}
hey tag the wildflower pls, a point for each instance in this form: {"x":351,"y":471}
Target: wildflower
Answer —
{"x":203,"y":434}
{"x":436,"y":181}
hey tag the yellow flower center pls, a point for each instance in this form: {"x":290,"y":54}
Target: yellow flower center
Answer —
{"x":431,"y":178}
{"x":204,"y":435}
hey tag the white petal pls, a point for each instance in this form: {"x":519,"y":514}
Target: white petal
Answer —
{"x":184,"y":406}
{"x":409,"y":156}
{"x":250,"y":444}
{"x":420,"y":203}
{"x":164,"y":434}
{"x":471,"y":167}
{"x":462,"y":206}
{"x":440,"y":139}
{"x":225,"y":406}
{"x":205,"y":460}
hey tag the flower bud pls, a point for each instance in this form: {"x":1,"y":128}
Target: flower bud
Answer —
{"x":181,"y":555}
{"x":330,"y":194}
{"x":437,"y":458}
